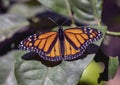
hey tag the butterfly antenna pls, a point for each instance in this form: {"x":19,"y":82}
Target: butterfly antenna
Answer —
{"x":65,"y":21}
{"x":53,"y":20}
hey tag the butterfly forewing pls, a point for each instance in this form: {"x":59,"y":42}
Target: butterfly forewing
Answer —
{"x":51,"y":39}
{"x":39,"y":42}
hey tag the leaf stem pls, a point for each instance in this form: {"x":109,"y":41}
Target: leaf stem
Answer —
{"x":113,"y":33}
{"x":96,"y":11}
{"x":98,"y":21}
{"x":70,"y":12}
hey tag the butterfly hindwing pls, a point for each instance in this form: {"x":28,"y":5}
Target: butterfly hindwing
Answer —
{"x":55,"y":53}
{"x":70,"y":51}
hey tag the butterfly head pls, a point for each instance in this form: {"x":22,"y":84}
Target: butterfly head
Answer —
{"x":59,"y":26}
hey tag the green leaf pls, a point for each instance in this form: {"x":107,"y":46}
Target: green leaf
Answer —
{"x":85,"y":11}
{"x":11,"y":23}
{"x":34,"y":72}
{"x":26,"y":10}
{"x":93,"y":70}
{"x":6,"y":68}
{"x":58,"y":6}
{"x":66,"y":73}
{"x":113,"y":66}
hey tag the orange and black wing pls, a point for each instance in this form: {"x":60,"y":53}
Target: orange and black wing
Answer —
{"x":77,"y":40}
{"x":55,"y":53}
{"x":45,"y":44}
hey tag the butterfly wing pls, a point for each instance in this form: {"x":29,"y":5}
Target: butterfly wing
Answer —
{"x":70,"y":52}
{"x":45,"y":44}
{"x":55,"y":54}
{"x":77,"y":40}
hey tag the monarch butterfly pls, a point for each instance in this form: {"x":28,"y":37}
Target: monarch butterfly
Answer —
{"x":59,"y":45}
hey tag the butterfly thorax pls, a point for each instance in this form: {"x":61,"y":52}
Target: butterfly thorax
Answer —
{"x":60,"y":33}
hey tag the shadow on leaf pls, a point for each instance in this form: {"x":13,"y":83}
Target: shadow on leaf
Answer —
{"x":92,"y":48}
{"x":101,"y":57}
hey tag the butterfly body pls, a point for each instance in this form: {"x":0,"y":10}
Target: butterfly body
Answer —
{"x":62,"y":44}
{"x":61,"y":39}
